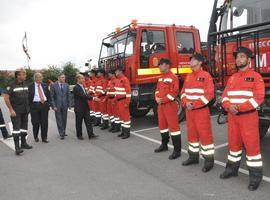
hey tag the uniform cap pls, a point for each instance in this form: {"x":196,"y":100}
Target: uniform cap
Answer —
{"x":197,"y":56}
{"x":244,"y":50}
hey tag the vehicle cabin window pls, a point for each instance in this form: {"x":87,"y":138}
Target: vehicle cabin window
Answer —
{"x":185,"y":42}
{"x":151,"y":42}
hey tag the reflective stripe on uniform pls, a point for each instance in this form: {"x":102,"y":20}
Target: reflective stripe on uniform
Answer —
{"x":2,"y":125}
{"x":175,"y":133}
{"x":240,"y":93}
{"x":195,"y":90}
{"x":194,"y":147}
{"x":225,"y":99}
{"x":170,"y":97}
{"x":20,"y":89}
{"x":253,"y":103}
{"x":167,"y":80}
{"x":164,"y":130}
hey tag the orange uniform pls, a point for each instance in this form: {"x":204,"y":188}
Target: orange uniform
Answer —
{"x":123,"y":98}
{"x":246,"y":90}
{"x":168,"y":89}
{"x":100,"y":92}
{"x":91,"y":92}
{"x":198,"y":89}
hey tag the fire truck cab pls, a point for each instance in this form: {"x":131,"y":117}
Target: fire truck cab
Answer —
{"x":237,"y":23}
{"x":139,"y":47}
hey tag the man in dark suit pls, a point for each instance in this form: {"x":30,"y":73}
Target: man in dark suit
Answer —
{"x":39,"y":101}
{"x":81,"y":108}
{"x":60,"y":97}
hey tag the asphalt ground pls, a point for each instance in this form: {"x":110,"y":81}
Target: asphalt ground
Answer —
{"x":111,"y":168}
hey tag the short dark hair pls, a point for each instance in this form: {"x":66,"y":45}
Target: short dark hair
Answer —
{"x":164,"y":61}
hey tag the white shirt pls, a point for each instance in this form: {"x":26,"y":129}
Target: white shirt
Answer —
{"x":82,"y":88}
{"x":36,"y":96}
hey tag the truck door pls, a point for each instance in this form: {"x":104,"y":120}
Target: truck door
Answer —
{"x":153,"y":46}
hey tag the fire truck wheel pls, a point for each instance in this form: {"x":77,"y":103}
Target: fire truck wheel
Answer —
{"x":134,"y":112}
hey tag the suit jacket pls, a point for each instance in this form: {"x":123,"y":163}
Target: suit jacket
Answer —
{"x":31,"y":93}
{"x":60,"y":99}
{"x":80,"y":99}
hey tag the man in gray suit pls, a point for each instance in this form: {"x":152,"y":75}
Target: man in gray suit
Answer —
{"x":60,"y":97}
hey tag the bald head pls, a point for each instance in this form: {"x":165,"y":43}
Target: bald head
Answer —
{"x":38,"y":78}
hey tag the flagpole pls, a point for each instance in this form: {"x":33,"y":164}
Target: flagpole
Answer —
{"x":26,"y":44}
{"x":25,"y":49}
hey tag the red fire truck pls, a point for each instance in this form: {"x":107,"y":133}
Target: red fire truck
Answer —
{"x":237,"y":23}
{"x":139,"y":47}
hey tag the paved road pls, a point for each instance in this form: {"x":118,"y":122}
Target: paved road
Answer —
{"x":110,"y":168}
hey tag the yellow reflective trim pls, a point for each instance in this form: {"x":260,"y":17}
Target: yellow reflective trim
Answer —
{"x":149,"y":71}
{"x":156,"y":71}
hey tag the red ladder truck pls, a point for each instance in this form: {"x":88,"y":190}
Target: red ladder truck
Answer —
{"x":139,"y":47}
{"x":237,"y":23}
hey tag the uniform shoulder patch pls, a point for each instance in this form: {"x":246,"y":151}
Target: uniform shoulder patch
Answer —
{"x":201,"y":79}
{"x":249,"y":79}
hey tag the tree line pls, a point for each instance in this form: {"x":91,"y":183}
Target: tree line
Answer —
{"x":49,"y":74}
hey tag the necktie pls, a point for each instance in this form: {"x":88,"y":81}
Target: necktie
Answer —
{"x":42,"y":100}
{"x":61,"y":87}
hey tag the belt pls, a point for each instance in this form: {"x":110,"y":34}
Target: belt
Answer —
{"x":121,"y":99}
{"x":201,"y":107}
{"x":39,"y":102}
{"x":246,"y":112}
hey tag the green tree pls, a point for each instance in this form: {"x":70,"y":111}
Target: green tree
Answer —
{"x":51,"y":73}
{"x":29,"y":75}
{"x":70,"y":71}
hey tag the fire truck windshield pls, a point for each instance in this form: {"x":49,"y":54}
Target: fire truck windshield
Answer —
{"x":120,"y":45}
{"x":236,"y":13}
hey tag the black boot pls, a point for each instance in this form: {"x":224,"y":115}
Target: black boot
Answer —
{"x":18,"y":150}
{"x":117,"y":127}
{"x":192,"y":159}
{"x":105,"y":125}
{"x":97,"y":121}
{"x":126,"y":133}
{"x":164,"y":143}
{"x":231,"y":170}
{"x":122,"y":132}
{"x":112,"y":127}
{"x":208,"y":164}
{"x":176,"y":140}
{"x":255,"y":178}
{"x":24,"y":144}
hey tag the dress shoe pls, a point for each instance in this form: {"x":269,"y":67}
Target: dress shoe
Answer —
{"x":93,"y":136}
{"x":62,"y":137}
{"x":80,"y":138}
{"x":7,"y":136}
{"x":45,"y":141}
{"x":36,"y":140}
{"x":26,"y":146}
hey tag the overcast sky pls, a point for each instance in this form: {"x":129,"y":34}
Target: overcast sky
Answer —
{"x":71,"y":30}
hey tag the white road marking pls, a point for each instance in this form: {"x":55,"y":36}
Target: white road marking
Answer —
{"x":136,"y":133}
{"x":221,"y":145}
{"x":147,"y":129}
{"x":265,"y":178}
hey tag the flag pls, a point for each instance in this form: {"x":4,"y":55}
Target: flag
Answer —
{"x":24,"y":46}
